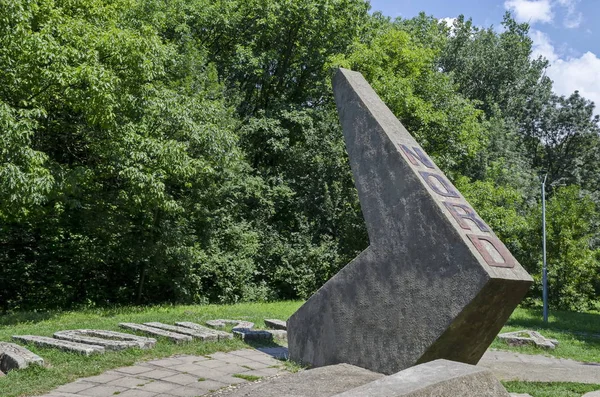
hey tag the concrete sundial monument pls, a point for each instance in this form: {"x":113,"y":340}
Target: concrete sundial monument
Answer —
{"x":435,"y":282}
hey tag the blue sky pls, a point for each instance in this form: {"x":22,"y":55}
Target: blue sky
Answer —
{"x":566,"y":32}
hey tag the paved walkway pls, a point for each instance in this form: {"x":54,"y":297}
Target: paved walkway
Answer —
{"x":192,"y":376}
{"x":178,"y":376}
{"x":536,"y":368}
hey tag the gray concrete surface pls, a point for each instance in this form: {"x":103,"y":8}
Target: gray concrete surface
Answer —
{"x":275,"y":324}
{"x":13,"y":356}
{"x":220,"y":335}
{"x":439,"y":378}
{"x":109,"y":340}
{"x":537,"y":368}
{"x":320,"y":382}
{"x":178,"y":376}
{"x":172,"y":336}
{"x":423,"y":289}
{"x":64,"y":345}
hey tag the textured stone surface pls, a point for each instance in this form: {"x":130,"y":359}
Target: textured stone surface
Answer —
{"x":592,"y":394}
{"x":13,"y":356}
{"x":64,"y":345}
{"x":526,"y":337}
{"x":236,"y":323}
{"x":276,"y":324}
{"x":173,"y":336}
{"x":109,"y":339}
{"x":249,"y":334}
{"x":196,"y":334}
{"x":508,"y":366}
{"x":320,"y":382}
{"x":432,"y":284}
{"x":439,"y":378}
{"x":221,"y":335}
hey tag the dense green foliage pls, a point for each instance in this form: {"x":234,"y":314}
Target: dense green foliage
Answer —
{"x":190,"y":151}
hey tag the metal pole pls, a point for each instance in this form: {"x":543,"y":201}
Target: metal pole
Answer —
{"x":544,"y":268}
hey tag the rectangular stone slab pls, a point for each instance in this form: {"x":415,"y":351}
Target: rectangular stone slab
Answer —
{"x":276,"y":324}
{"x":13,"y":356}
{"x":142,"y":341}
{"x":319,"y":382}
{"x":435,"y":281}
{"x":221,"y":335}
{"x":110,"y":340}
{"x":43,"y":341}
{"x":196,"y":334}
{"x":173,"y":336}
{"x":250,"y":334}
{"x":439,"y":378}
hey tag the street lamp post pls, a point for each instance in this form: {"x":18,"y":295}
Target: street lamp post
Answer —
{"x":544,"y":267}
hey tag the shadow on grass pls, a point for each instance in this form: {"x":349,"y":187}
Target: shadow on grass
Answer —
{"x":584,"y":324}
{"x":25,"y":317}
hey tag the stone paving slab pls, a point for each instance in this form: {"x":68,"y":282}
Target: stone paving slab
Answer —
{"x":177,"y":376}
{"x":13,"y":356}
{"x":200,"y":328}
{"x":173,"y":336}
{"x":75,"y":347}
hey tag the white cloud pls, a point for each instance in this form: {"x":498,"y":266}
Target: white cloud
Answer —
{"x":570,"y":73}
{"x":573,"y":18}
{"x":531,"y":11}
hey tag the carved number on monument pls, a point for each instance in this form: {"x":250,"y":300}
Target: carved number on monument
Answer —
{"x":491,"y":249}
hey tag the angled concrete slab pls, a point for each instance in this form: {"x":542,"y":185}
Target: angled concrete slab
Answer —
{"x":435,"y":281}
{"x":439,"y":378}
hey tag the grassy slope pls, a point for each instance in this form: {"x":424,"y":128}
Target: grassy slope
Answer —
{"x":65,"y":367}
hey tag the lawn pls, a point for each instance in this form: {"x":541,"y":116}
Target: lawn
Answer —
{"x":66,"y":367}
{"x":575,"y":331}
{"x":578,"y":333}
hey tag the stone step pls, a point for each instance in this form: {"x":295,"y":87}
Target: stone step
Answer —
{"x":13,"y":356}
{"x":276,"y":324}
{"x":43,"y":341}
{"x":222,"y":335}
{"x":172,"y":336}
{"x":221,"y":323}
{"x":110,"y":340}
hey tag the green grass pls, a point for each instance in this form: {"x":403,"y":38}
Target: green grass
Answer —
{"x":65,"y":367}
{"x":249,"y":378}
{"x":574,"y":331}
{"x":555,"y":389}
